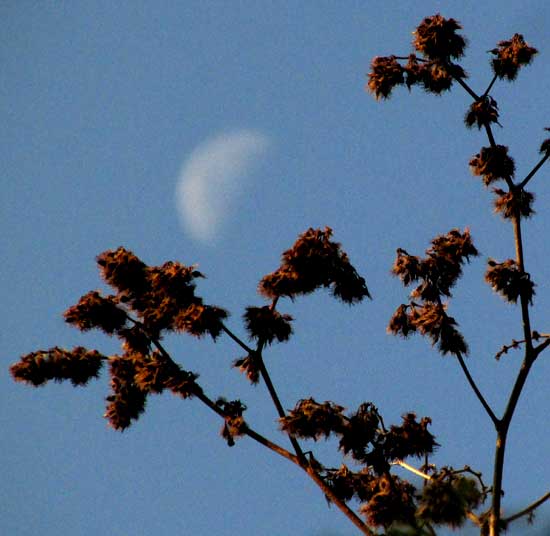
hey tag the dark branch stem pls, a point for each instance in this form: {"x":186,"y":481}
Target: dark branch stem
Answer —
{"x":534,"y":170}
{"x":243,"y":345}
{"x":466,"y":87}
{"x":476,"y":390}
{"x":541,"y":347}
{"x":529,"y":509}
{"x":490,"y":86}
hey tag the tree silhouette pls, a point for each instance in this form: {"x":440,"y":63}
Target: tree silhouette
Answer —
{"x":149,"y":302}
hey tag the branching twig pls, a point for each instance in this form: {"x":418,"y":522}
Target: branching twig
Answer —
{"x":489,"y":87}
{"x":243,"y":345}
{"x":476,"y":390}
{"x":529,"y":509}
{"x":533,"y":171}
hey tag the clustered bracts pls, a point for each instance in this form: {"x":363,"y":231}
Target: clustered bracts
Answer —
{"x":78,"y":365}
{"x":361,"y":434}
{"x":313,"y":262}
{"x":510,"y":55}
{"x":234,"y":424}
{"x":134,"y":376}
{"x":482,"y":112}
{"x":436,"y":274}
{"x":149,"y":301}
{"x":266,"y":324}
{"x":509,"y":281}
{"x":493,"y":164}
{"x":384,"y":497}
{"x":437,"y":40}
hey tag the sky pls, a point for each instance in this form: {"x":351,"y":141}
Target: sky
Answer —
{"x":213,"y":133}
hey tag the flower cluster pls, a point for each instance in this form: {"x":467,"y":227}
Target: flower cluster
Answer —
{"x":78,"y":365}
{"x":437,"y":274}
{"x":516,"y":202}
{"x":510,"y":55}
{"x":493,"y":164}
{"x":94,"y":311}
{"x":161,"y":297}
{"x":266,"y":324}
{"x":447,"y":498}
{"x":314,"y":261}
{"x":312,"y":420}
{"x":385,"y":74}
{"x":127,"y":401}
{"x":392,"y":501}
{"x":250,"y":366}
{"x":361,"y":434}
{"x":436,"y":38}
{"x":234,"y":424}
{"x":509,"y":281}
{"x":148,"y":301}
{"x":482,"y":112}
{"x":385,"y":499}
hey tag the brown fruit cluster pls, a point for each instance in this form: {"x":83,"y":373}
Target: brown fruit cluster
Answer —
{"x":517,"y":202}
{"x":437,"y":273}
{"x":509,"y":281}
{"x":436,"y":38}
{"x":482,"y":112}
{"x":510,"y":55}
{"x":313,"y":262}
{"x":78,"y":365}
{"x":265,"y":324}
{"x":493,"y":164}
{"x":234,"y":424}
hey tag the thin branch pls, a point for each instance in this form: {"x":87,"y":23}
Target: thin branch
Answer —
{"x":529,"y":509}
{"x":243,"y":345}
{"x":489,"y":87}
{"x":533,"y":171}
{"x":537,"y":350}
{"x":466,"y":87}
{"x":476,"y":390}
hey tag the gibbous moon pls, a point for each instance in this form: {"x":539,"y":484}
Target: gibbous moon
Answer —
{"x":211,"y":179}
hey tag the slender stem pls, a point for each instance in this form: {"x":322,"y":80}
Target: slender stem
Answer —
{"x":528,"y":509}
{"x":467,"y":88}
{"x":476,"y":390}
{"x":277,"y":403}
{"x":541,"y":347}
{"x":533,"y":171}
{"x":489,"y":87}
{"x":243,"y":345}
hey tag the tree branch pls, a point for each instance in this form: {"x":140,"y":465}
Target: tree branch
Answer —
{"x":243,"y":345}
{"x":476,"y":390}
{"x":533,"y":171}
{"x":529,"y":509}
{"x":489,"y":87}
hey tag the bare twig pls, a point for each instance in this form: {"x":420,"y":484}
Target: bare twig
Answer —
{"x":529,"y":509}
{"x":243,"y":345}
{"x":533,"y":171}
{"x":476,"y":390}
{"x":489,"y":87}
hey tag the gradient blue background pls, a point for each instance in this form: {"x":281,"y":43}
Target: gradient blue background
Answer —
{"x":101,"y":103}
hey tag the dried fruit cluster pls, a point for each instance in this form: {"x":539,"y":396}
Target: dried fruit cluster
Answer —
{"x":437,"y":273}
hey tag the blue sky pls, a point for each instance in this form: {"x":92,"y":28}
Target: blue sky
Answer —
{"x":105,"y":110}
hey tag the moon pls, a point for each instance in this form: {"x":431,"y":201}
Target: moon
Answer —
{"x":212,"y":178}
